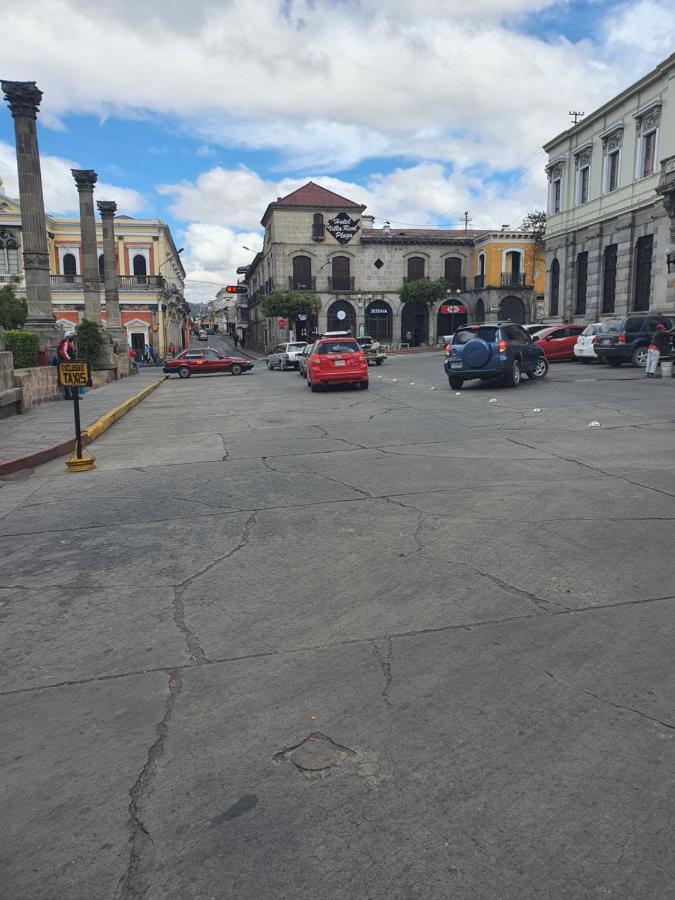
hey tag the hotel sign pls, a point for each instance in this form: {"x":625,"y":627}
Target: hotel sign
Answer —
{"x":342,"y":227}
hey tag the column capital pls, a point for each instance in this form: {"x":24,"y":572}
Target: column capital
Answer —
{"x":23,"y":98}
{"x":107,"y":208}
{"x":85,"y":179}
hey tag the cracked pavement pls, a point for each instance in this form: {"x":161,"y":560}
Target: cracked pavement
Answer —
{"x":471,"y":601}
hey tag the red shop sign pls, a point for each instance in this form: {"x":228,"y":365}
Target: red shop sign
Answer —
{"x":282,"y":323}
{"x":449,"y":308}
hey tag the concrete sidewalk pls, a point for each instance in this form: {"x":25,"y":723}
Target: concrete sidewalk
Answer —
{"x":45,"y":432}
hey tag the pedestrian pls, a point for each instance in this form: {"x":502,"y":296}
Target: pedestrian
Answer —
{"x":658,"y":344}
{"x":236,"y":340}
{"x":172,"y":349}
{"x":66,"y":353}
{"x":133,"y":360}
{"x":408,"y":336}
{"x":147,"y":358}
{"x":241,"y":340}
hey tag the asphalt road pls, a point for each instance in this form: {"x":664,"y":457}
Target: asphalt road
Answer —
{"x":394,"y":644}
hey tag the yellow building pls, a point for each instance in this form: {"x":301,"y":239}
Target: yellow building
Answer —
{"x":151,"y":275}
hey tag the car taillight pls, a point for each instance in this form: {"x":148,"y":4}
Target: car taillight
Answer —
{"x":501,"y":346}
{"x":361,"y":355}
{"x":315,"y":358}
{"x":621,"y":339}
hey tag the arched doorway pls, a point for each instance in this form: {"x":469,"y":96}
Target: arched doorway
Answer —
{"x":479,"y":311}
{"x":140,"y":267}
{"x":415,"y":324}
{"x":380,"y":321}
{"x":69,"y":266}
{"x":450,"y":317}
{"x":341,"y":316}
{"x":512,"y":309}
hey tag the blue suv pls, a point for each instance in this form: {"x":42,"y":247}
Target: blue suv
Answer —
{"x":503,"y":352}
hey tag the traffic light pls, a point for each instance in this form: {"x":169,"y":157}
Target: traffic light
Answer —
{"x":236,"y":289}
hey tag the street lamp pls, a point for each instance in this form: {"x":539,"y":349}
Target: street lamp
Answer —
{"x":452,"y":294}
{"x":169,"y":258}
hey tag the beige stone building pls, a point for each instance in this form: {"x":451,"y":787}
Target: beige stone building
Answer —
{"x":151,"y":275}
{"x":316,"y":240}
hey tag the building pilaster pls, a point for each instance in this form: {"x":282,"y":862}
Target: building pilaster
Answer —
{"x":666,"y":188}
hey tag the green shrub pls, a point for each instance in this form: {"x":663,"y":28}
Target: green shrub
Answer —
{"x":23,"y":345}
{"x":88,"y":342}
{"x":13,"y":310}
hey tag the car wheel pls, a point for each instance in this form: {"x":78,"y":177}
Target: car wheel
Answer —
{"x":378,"y":362}
{"x":540,"y":370}
{"x":363,"y":385}
{"x":455,"y":382}
{"x":583,"y":359}
{"x":236,"y":369}
{"x":615,"y":363}
{"x":639,"y":357}
{"x":513,"y":376}
{"x":184,"y":372}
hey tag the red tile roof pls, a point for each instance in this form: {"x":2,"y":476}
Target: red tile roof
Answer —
{"x":313,"y":196}
{"x":421,"y":234}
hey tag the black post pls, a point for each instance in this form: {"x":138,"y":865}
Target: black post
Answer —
{"x":76,"y":410}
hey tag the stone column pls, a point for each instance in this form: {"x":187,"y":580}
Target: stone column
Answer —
{"x":666,"y":188}
{"x":24,"y":99}
{"x":85,"y":179}
{"x":107,"y":209}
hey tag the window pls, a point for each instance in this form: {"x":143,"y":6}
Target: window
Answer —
{"x":100,"y":265}
{"x":582,"y":281}
{"x":139,"y":266}
{"x":302,"y":273}
{"x":648,"y":153}
{"x":69,"y":265}
{"x":317,"y":227}
{"x":634,"y":323}
{"x":210,"y":354}
{"x":612,"y":177}
{"x":643,"y":271}
{"x":416,"y":268}
{"x":582,"y":184}
{"x":556,"y":195}
{"x":453,"y":272}
{"x":337,"y":347}
{"x":554,"y":288}
{"x":9,"y":254}
{"x":555,"y":175}
{"x":341,"y":278}
{"x":648,"y":139}
{"x":486,"y":333}
{"x":609,"y":278}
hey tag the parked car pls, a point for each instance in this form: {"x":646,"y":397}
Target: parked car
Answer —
{"x":303,"y":356}
{"x":204,"y":362}
{"x":202,"y":336}
{"x":584,"y":349}
{"x":535,"y":327}
{"x":626,"y":338}
{"x":375,"y":352}
{"x":501,"y":352}
{"x":337,"y":361}
{"x":285,"y":356}
{"x":558,"y":341}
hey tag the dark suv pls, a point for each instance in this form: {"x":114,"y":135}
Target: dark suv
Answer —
{"x":626,"y":338}
{"x":503,"y":351}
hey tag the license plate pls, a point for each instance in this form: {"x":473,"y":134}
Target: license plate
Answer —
{"x":606,"y":341}
{"x":456,"y":365}
{"x":339,"y":362}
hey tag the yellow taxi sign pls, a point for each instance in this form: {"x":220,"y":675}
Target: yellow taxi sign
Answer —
{"x":74,"y":374}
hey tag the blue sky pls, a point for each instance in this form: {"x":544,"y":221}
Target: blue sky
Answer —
{"x":205,"y":113}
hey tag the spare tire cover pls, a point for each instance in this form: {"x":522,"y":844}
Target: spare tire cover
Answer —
{"x":476,"y":353}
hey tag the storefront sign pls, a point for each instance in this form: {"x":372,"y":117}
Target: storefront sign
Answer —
{"x":341,"y":315}
{"x":378,"y":311}
{"x":450,"y":308}
{"x":282,"y":323}
{"x":342,"y":227}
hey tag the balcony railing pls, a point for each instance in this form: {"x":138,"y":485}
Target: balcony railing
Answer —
{"x":513,"y":279}
{"x":298,"y":284}
{"x":66,"y":282}
{"x":341,"y":283}
{"x":455,"y":284}
{"x":479,"y":281}
{"x":408,"y":279}
{"x":11,"y":278}
{"x":141,"y":282}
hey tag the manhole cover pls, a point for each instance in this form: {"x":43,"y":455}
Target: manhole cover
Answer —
{"x":316,"y":755}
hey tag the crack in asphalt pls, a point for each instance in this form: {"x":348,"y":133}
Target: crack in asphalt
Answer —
{"x":384,"y":662}
{"x":537,"y":602}
{"x":129,"y":887}
{"x":632,"y":709}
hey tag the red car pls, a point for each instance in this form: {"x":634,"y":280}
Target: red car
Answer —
{"x":203,"y":362}
{"x":337,"y":360}
{"x":558,"y":341}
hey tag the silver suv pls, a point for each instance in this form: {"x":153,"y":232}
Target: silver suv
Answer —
{"x":285,"y":356}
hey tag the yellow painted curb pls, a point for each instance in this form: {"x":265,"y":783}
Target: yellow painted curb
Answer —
{"x":91,"y":432}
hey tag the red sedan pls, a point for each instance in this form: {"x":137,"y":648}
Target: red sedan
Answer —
{"x":337,"y":360}
{"x":558,"y":341}
{"x":204,"y":362}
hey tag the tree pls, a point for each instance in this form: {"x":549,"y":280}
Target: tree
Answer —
{"x":13,"y":311}
{"x":535,"y":223}
{"x":428,"y":292}
{"x":289,"y":304}
{"x":88,"y":341}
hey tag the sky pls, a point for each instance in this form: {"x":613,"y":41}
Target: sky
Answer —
{"x":202,"y":113}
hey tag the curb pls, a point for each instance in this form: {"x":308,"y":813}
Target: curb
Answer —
{"x":89,"y":434}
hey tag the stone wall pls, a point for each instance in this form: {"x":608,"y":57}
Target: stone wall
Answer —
{"x":40,"y":385}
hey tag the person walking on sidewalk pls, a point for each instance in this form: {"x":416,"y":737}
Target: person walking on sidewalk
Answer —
{"x":235,"y":338}
{"x":66,"y":353}
{"x":658,"y":345}
{"x":172,"y":349}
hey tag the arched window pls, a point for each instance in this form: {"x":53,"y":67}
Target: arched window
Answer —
{"x":341,"y":316}
{"x":69,"y":266}
{"x":341,"y":278}
{"x":479,"y":311}
{"x":100,"y":264}
{"x":512,"y":309}
{"x":554,"y":288}
{"x":453,"y":272}
{"x":317,"y":227}
{"x":380,"y":320}
{"x":9,"y":254}
{"x":140,"y":266}
{"x":479,"y":280}
{"x":301,"y":279}
{"x":415,"y":268}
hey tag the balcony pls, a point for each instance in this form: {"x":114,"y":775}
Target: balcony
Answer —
{"x":478,"y":282}
{"x":409,"y":279}
{"x":298,"y":284}
{"x":342,"y":283}
{"x":513,"y":279}
{"x":140,"y":282}
{"x":15,"y":278}
{"x":456,"y":284}
{"x":66,"y":282}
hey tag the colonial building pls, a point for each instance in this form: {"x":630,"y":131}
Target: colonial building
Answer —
{"x":316,"y":240}
{"x":608,"y":230}
{"x":151,"y":276}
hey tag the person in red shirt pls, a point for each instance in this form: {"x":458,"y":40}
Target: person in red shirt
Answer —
{"x":658,"y":345}
{"x":66,"y":353}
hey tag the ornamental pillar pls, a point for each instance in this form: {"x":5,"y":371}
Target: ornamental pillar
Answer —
{"x":85,"y":179}
{"x":23,"y":98}
{"x":107,"y":209}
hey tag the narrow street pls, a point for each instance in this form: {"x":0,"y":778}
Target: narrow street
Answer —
{"x":401,"y":643}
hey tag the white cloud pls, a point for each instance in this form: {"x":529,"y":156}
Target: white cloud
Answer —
{"x":60,"y":192}
{"x":212,"y":255}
